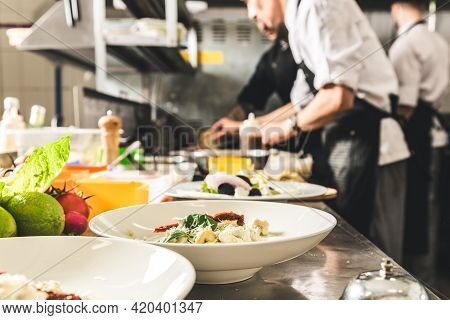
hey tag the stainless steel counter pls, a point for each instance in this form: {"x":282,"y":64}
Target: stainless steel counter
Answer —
{"x":322,"y":273}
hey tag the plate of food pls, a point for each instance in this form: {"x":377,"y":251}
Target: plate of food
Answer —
{"x":74,"y":268}
{"x":226,"y":241}
{"x":251,"y":186}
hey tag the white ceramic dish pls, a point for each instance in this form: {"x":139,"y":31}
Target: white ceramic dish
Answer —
{"x":289,"y":191}
{"x":294,"y":231}
{"x":100,"y":268}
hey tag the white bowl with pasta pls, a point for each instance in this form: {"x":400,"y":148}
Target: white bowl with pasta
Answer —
{"x":292,"y":231}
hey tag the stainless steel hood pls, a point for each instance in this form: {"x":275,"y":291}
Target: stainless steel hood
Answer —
{"x":51,"y":31}
{"x":52,"y":36}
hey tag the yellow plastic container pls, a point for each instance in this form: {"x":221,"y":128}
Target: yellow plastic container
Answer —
{"x":109,"y":195}
{"x":231,"y":164}
{"x":71,"y":173}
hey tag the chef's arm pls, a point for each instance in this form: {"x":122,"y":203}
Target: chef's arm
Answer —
{"x":329,"y":102}
{"x":278,"y":115}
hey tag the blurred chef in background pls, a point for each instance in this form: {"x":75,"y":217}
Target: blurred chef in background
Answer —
{"x":275,"y":73}
{"x":363,"y":152}
{"x":421,"y":61}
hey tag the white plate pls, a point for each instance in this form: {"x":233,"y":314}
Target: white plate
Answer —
{"x":289,"y":191}
{"x":100,"y":268}
{"x":295,"y":230}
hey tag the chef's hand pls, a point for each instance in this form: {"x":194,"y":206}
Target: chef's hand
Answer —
{"x":277,"y":132}
{"x":225,"y":126}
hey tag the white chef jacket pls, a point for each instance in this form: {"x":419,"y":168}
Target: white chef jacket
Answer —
{"x":421,"y":60}
{"x":337,"y":43}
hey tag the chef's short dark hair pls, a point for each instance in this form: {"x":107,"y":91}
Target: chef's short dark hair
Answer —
{"x":419,"y":4}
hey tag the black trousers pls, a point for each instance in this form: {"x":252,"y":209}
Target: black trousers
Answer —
{"x":387,"y":227}
{"x":348,"y":159}
{"x":418,"y":136}
{"x":423,"y":264}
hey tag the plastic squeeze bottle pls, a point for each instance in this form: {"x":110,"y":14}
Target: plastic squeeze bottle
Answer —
{"x":250,"y":134}
{"x":110,"y":126}
{"x":11,"y":120}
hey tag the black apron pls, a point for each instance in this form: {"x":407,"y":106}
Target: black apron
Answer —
{"x":418,"y":136}
{"x":346,"y":156}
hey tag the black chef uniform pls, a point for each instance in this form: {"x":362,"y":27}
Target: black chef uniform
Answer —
{"x":275,"y":73}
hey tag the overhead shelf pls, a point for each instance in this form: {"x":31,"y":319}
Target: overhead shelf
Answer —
{"x":156,"y":9}
{"x":135,"y":40}
{"x":151,"y":59}
{"x":146,"y":33}
{"x":121,"y":52}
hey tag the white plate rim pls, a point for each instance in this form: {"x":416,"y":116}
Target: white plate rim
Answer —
{"x":172,"y":192}
{"x":325,"y":215}
{"x":89,"y":239}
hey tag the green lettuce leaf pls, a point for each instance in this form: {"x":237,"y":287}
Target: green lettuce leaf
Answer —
{"x":204,"y":188}
{"x":39,"y":170}
{"x":193,"y":221}
{"x":177,"y":234}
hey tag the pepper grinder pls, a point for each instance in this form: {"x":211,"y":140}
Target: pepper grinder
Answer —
{"x":110,"y":127}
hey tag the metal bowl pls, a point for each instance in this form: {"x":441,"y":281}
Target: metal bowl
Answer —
{"x":201,"y":157}
{"x":165,"y":159}
{"x":154,"y":163}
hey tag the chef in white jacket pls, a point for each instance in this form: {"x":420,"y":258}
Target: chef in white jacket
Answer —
{"x":353,"y":89}
{"x":421,"y":61}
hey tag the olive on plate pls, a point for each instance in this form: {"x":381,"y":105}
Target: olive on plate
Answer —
{"x":226,"y":188}
{"x":255,"y":193}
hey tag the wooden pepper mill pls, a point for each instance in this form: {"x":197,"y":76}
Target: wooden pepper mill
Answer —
{"x":110,"y":126}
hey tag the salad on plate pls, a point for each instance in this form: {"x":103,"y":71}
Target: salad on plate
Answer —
{"x":243,"y":184}
{"x":225,"y":227}
{"x":19,"y":287}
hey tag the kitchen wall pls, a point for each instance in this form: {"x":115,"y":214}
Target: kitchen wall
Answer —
{"x":207,"y":95}
{"x":29,"y":76}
